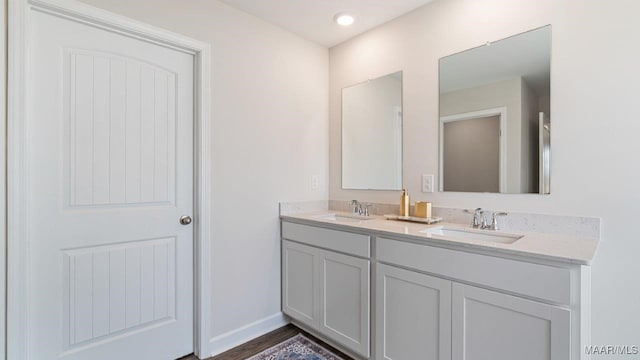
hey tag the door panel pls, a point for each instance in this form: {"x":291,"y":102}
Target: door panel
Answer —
{"x":300,"y":282}
{"x":99,"y":280}
{"x":121,"y":112}
{"x":344,"y":291}
{"x":488,"y":325}
{"x":413,"y":315}
{"x":110,"y":267}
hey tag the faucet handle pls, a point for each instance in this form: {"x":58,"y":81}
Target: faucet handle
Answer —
{"x":494,"y":219}
{"x":475,"y":222}
{"x":471,"y":211}
{"x":356,"y":206}
{"x":366,"y":209}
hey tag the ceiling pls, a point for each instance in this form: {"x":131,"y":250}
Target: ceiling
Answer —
{"x":313,"y":19}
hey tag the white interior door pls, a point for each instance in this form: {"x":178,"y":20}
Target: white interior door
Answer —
{"x":110,"y":171}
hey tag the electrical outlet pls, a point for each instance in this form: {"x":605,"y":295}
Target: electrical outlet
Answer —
{"x":427,"y":183}
{"x":315,"y":182}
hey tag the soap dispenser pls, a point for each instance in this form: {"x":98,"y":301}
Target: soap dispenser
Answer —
{"x":404,"y":203}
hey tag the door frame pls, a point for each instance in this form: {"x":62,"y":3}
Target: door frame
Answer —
{"x":3,"y":177}
{"x":499,"y":111}
{"x":17,"y":339}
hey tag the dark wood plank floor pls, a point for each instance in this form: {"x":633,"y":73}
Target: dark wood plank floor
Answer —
{"x":266,"y":341}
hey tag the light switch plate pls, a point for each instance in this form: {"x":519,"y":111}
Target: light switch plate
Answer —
{"x":315,"y":182}
{"x":427,"y":183}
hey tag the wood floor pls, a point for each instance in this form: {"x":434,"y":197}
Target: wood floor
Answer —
{"x":266,"y":341}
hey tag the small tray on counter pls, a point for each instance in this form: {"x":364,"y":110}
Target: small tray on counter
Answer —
{"x":428,"y":220}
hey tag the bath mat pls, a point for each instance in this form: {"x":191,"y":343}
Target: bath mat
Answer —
{"x":296,"y":348}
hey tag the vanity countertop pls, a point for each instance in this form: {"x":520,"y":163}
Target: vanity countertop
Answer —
{"x":561,"y":248}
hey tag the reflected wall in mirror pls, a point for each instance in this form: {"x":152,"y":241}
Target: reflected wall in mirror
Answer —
{"x":495,"y":116}
{"x":372,"y":134}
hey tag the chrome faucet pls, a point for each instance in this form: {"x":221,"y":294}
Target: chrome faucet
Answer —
{"x":480,"y":219}
{"x":360,"y":209}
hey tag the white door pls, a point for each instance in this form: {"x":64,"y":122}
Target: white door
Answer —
{"x":488,"y":325}
{"x":413,"y":315}
{"x":110,"y":164}
{"x":344,"y":299}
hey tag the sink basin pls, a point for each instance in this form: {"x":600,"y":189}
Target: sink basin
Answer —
{"x":471,"y":234}
{"x":343,"y":218}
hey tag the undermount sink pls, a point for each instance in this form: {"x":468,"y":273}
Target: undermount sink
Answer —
{"x":343,"y":218}
{"x":471,"y":234}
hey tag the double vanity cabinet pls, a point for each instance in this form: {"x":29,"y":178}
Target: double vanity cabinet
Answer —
{"x":383,"y":291}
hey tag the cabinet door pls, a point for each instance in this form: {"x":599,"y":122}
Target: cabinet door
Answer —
{"x":488,"y":325}
{"x":344,"y":301}
{"x":413,"y":315}
{"x":300,"y":283}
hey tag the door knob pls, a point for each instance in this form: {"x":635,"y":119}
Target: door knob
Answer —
{"x":185,"y":219}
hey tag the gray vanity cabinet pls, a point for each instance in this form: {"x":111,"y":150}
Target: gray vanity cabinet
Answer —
{"x":413,"y":315}
{"x":449,"y":320}
{"x":432,"y":302}
{"x":328,"y":291}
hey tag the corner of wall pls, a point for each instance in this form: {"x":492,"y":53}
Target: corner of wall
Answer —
{"x":231,"y":339}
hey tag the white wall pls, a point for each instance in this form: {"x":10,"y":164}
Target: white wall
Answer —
{"x":595,"y":82}
{"x":270,"y":135}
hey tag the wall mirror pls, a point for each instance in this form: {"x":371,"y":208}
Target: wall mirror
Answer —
{"x":372,"y":134}
{"x":495,"y":118}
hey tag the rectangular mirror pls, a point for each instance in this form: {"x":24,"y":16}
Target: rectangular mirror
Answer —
{"x":495,"y":116}
{"x":372,"y":134}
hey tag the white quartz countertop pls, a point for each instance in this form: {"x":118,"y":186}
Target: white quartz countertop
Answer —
{"x":562,"y":248}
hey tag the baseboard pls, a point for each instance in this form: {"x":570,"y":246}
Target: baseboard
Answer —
{"x":231,"y":339}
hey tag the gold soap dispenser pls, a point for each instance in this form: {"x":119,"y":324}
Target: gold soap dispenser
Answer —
{"x":404,"y":203}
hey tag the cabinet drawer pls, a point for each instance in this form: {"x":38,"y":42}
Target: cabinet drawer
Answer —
{"x":535,"y":280}
{"x":341,"y":241}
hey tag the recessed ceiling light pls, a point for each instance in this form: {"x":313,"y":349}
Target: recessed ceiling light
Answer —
{"x":343,"y":19}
